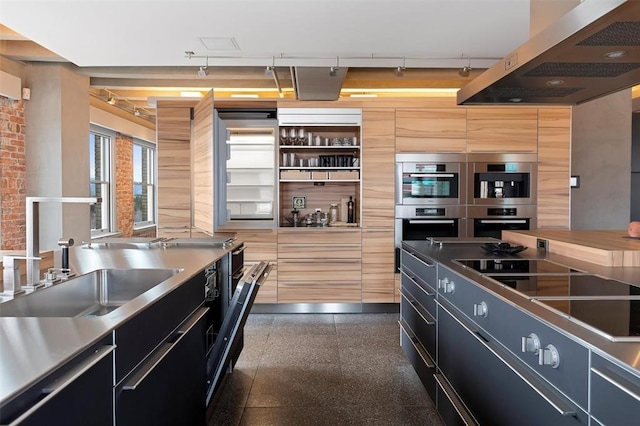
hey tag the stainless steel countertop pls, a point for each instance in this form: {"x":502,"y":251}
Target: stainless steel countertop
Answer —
{"x":627,"y":354}
{"x":32,"y":348}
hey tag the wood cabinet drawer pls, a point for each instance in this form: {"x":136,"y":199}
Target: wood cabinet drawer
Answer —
{"x":319,"y":236}
{"x":319,"y":270}
{"x":319,"y":292}
{"x":324,"y":251}
{"x":268,"y":292}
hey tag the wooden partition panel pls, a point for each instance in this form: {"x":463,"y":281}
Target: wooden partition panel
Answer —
{"x":378,"y":167}
{"x":174,"y":167}
{"x":554,"y":168}
{"x":203,"y":146}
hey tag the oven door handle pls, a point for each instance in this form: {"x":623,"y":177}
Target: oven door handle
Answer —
{"x":432,"y":175}
{"x":503,"y":221}
{"x":426,"y":221}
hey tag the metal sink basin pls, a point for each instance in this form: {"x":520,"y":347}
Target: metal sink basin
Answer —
{"x":93,"y":294}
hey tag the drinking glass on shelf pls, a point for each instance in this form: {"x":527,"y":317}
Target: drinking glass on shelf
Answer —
{"x":293,"y":136}
{"x":283,"y":137}
{"x":301,"y":137}
{"x":285,"y":159}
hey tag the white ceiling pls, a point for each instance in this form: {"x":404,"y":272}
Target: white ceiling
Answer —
{"x":143,"y":33}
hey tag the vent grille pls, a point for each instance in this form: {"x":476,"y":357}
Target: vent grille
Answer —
{"x":589,"y":69}
{"x":617,"y":34}
{"x":533,"y":92}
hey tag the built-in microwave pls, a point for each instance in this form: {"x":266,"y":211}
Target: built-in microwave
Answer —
{"x":430,"y":179}
{"x":502,"y":179}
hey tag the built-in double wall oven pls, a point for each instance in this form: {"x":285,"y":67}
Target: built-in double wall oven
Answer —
{"x":430,"y":197}
{"x":501,"y":193}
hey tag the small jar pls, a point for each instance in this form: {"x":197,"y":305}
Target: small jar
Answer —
{"x":333,"y":213}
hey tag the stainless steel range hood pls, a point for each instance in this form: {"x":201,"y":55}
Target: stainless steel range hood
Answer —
{"x":318,"y":83}
{"x":574,"y":60}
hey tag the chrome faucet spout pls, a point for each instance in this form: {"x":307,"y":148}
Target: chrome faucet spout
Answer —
{"x":33,"y":230}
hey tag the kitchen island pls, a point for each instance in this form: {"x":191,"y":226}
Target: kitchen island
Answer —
{"x":148,"y":351}
{"x":546,"y":335}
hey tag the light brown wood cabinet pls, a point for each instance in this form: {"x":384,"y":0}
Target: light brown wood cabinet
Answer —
{"x":261,"y":244}
{"x":378,"y":258}
{"x":554,"y":153}
{"x":431,"y":130}
{"x":319,"y":265}
{"x":378,"y":164}
{"x":174,"y":169}
{"x":509,"y":129}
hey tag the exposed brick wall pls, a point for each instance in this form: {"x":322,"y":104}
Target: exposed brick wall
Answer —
{"x":13,"y":166}
{"x":124,"y":184}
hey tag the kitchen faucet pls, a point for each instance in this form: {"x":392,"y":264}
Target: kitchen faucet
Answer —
{"x":33,"y":233}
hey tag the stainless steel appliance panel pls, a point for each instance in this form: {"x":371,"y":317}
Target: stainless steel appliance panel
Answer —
{"x":502,"y":179}
{"x":420,"y":223}
{"x":430,"y":179}
{"x":484,"y":221}
{"x":615,"y":393}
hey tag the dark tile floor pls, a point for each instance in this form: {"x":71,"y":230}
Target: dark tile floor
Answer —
{"x":323,"y":369}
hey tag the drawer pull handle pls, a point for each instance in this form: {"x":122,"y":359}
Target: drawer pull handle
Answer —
{"x":556,"y":401}
{"x":412,"y":279}
{"x":418,"y":308}
{"x":466,"y":417}
{"x":426,"y":358}
{"x":65,"y":381}
{"x":424,"y":262}
{"x":139,"y":377}
{"x":615,"y":383}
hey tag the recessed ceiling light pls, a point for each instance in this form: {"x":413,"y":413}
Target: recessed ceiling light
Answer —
{"x":555,"y":82}
{"x":615,"y":54}
{"x":515,"y":100}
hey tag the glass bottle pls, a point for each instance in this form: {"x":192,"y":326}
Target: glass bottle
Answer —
{"x":350,"y":211}
{"x":333,"y":213}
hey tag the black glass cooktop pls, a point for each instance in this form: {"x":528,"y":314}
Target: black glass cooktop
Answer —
{"x":618,"y":320}
{"x":562,"y":286}
{"x":516,"y":266}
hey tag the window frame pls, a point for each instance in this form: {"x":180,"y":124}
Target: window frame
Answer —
{"x":108,"y":164}
{"x":152,"y":185}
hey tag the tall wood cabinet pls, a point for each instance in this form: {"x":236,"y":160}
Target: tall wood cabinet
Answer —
{"x":174,"y":170}
{"x":378,"y":205}
{"x":508,"y":129}
{"x":554,"y":167}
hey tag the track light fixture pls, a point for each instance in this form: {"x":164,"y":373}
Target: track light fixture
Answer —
{"x":111,"y":100}
{"x":333,"y":71}
{"x":136,"y":112}
{"x":399,"y":71}
{"x":203,"y":71}
{"x":466,"y":70}
{"x":125,"y":104}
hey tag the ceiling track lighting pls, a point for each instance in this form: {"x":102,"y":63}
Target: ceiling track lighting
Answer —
{"x":125,"y":105}
{"x":399,"y":71}
{"x":204,"y":71}
{"x":333,"y":71}
{"x":466,"y":70}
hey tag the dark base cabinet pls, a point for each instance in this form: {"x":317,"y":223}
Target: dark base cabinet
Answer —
{"x":81,"y":395}
{"x":615,"y":393}
{"x":495,"y":386}
{"x":169,"y":387}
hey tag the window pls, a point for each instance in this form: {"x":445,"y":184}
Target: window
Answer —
{"x":100,"y":179}
{"x":143,"y":184}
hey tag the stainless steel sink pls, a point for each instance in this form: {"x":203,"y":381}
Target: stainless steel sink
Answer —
{"x":93,"y":294}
